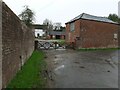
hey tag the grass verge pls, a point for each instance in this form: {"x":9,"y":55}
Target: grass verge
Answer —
{"x":30,"y":76}
{"x":96,"y":49}
{"x":61,"y":42}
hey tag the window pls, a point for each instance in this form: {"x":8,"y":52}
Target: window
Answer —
{"x":72,"y":27}
{"x":115,"y":36}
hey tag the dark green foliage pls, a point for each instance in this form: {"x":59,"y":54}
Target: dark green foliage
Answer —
{"x":27,"y":16}
{"x":114,"y":18}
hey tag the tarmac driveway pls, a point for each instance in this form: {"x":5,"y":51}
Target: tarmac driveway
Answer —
{"x":83,"y":69}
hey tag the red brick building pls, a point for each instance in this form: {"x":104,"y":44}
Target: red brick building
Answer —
{"x":56,"y":35}
{"x":88,"y":31}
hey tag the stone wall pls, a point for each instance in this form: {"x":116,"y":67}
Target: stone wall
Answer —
{"x":17,"y":44}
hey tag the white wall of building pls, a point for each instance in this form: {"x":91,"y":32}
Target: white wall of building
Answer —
{"x":39,"y":31}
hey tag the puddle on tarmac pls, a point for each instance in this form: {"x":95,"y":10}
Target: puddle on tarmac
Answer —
{"x":60,"y":49}
{"x":60,"y":67}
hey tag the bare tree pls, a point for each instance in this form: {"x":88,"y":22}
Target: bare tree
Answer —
{"x":48,"y":23}
{"x":49,"y":26}
{"x":57,"y":26}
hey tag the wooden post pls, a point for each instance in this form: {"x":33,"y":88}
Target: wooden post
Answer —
{"x":36,"y":45}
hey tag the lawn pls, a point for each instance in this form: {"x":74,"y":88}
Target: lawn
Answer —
{"x":61,"y":42}
{"x":30,"y":76}
{"x":96,"y":49}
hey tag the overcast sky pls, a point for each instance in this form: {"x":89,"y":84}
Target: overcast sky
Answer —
{"x":64,"y":10}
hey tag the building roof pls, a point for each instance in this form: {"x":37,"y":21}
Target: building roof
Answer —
{"x":56,"y":33}
{"x":91,"y":17}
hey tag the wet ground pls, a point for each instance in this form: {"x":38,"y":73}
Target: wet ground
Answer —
{"x":82,"y":69}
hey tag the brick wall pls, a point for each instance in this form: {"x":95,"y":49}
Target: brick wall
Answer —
{"x":17,"y":44}
{"x":62,"y":37}
{"x":71,"y":35}
{"x":97,"y":34}
{"x":67,"y":33}
{"x":0,"y":45}
{"x":92,"y":34}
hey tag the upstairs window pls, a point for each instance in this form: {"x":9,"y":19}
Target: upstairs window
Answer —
{"x":72,"y":26}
